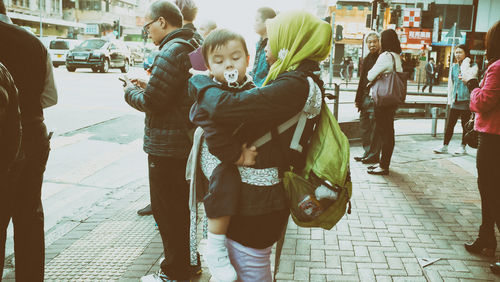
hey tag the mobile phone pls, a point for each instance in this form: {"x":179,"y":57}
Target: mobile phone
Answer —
{"x":123,"y":80}
{"x":197,"y":60}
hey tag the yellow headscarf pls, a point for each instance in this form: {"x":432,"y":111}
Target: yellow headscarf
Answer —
{"x":295,"y":36}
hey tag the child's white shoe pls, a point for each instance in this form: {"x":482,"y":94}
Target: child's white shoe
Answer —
{"x":441,"y":150}
{"x":219,"y":265}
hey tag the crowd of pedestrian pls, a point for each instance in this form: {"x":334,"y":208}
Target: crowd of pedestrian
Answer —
{"x":245,"y":203}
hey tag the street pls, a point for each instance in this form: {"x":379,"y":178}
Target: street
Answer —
{"x":96,"y":149}
{"x":96,"y":175}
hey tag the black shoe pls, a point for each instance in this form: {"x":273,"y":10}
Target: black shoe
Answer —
{"x":371,"y":160}
{"x":358,"y":159}
{"x":378,"y":171}
{"x":145,"y":211}
{"x":194,"y":270}
{"x":481,"y":248}
{"x":159,"y":277}
{"x":495,"y":268}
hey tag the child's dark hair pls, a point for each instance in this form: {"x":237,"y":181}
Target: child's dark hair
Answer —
{"x":219,"y":38}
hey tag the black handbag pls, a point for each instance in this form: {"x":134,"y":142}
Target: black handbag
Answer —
{"x":471,"y":136}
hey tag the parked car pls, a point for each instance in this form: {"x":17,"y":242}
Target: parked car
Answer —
{"x":136,"y":52}
{"x":99,"y":55}
{"x":59,"y":49}
{"x":149,"y":57}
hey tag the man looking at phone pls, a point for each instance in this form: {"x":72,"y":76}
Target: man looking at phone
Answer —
{"x":165,"y":102}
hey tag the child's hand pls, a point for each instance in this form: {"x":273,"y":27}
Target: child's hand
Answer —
{"x":248,"y":156}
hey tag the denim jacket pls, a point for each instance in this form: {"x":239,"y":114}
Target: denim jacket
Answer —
{"x":260,"y":66}
{"x":460,"y":93}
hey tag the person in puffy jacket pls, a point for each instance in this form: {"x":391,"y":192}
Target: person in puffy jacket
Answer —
{"x":485,"y":102}
{"x":165,"y":102}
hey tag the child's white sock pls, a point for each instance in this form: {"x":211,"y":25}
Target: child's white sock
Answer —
{"x":217,"y":258}
{"x":216,"y":241}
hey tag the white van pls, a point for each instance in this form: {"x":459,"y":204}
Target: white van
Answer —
{"x":59,"y":49}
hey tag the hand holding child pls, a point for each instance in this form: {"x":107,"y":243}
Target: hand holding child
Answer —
{"x":248,"y":156}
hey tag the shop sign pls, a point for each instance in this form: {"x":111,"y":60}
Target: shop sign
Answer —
{"x":411,"y":17}
{"x":415,"y":38}
{"x":92,"y":29}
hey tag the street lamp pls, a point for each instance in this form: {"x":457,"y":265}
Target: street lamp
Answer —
{"x":41,"y":25}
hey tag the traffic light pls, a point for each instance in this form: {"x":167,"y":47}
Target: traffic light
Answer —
{"x":338,"y":32}
{"x":116,"y":25}
{"x":117,"y":30}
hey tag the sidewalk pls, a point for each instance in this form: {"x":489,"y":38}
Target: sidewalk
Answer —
{"x":424,"y":210}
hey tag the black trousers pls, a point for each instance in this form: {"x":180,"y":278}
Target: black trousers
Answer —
{"x":487,"y":160}
{"x":169,"y":201}
{"x":223,"y":191}
{"x":370,"y":140}
{"x":452,"y":121}
{"x":20,"y":199}
{"x":428,"y":82}
{"x":384,"y":129}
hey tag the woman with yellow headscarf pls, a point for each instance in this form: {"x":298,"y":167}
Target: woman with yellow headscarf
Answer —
{"x":298,"y":41}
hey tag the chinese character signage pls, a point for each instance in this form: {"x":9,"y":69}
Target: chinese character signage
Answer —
{"x":414,"y":38}
{"x":411,"y":17}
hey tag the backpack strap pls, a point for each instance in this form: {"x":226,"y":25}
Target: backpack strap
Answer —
{"x":300,"y":119}
{"x":281,"y":128}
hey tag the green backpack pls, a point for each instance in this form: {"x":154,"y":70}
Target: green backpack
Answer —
{"x":326,"y":164}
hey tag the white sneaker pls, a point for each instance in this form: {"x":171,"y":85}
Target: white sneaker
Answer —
{"x":441,"y":150}
{"x":219,"y":265}
{"x":460,"y":151}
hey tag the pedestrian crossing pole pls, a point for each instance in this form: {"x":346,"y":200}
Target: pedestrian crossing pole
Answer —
{"x":332,"y":52}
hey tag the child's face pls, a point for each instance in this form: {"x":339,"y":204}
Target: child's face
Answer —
{"x":228,"y":57}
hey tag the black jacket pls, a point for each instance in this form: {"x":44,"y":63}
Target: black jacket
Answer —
{"x":165,"y":99}
{"x":26,"y":59}
{"x":367,"y":65}
{"x":219,"y":136}
{"x":10,"y":120}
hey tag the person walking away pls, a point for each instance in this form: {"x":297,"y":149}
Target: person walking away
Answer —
{"x":384,"y":115}
{"x":485,"y":102}
{"x":26,"y":59}
{"x":430,"y":71}
{"x":166,"y":104}
{"x":458,"y":99}
{"x":189,"y":10}
{"x":206,"y":26}
{"x":364,"y":103}
{"x":260,"y":65}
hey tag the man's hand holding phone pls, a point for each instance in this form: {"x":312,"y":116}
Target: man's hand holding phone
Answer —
{"x":141,"y":83}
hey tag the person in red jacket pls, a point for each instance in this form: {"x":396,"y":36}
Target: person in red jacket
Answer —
{"x":485,"y":102}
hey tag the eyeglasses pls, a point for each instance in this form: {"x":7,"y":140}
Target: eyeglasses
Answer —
{"x":145,"y":28}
